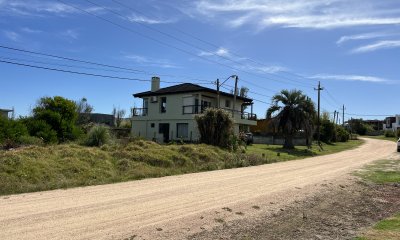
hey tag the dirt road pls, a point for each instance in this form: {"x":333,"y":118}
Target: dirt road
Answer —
{"x":178,"y":206}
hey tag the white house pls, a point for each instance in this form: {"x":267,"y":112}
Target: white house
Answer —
{"x":168,"y":113}
{"x":392,"y":123}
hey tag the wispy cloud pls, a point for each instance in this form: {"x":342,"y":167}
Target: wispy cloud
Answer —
{"x":146,"y":20}
{"x":30,"y":30}
{"x":12,"y":35}
{"x":313,"y":14}
{"x":70,"y":34}
{"x":359,"y":78}
{"x":225,"y":56}
{"x":362,"y":36}
{"x":386,"y":44}
{"x":35,"y":8}
{"x":150,"y":62}
{"x":222,"y":52}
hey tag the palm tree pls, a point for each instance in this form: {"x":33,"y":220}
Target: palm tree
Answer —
{"x":293,"y":111}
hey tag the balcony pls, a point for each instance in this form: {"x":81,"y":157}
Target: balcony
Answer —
{"x":139,"y":112}
{"x":193,"y":109}
{"x":198,"y":109}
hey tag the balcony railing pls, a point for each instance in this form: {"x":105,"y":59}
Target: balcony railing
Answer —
{"x":136,"y":112}
{"x":198,"y":109}
{"x":193,"y":109}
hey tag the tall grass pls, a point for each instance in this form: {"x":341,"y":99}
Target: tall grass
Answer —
{"x":38,"y":168}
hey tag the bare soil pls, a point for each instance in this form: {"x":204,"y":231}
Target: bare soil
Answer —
{"x":237,"y":201}
{"x":340,"y":211}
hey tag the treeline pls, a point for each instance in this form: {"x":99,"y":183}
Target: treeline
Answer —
{"x":55,"y":120}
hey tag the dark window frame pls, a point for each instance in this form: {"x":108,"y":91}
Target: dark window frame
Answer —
{"x":177,"y":132}
{"x":163,"y":104}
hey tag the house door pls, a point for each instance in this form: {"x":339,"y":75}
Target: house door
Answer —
{"x":164,"y":129}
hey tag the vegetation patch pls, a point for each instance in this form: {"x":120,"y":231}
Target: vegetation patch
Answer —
{"x":275,"y":153}
{"x":383,"y":172}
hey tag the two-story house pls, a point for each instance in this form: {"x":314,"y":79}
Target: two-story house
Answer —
{"x":169,"y":113}
{"x":392,"y":123}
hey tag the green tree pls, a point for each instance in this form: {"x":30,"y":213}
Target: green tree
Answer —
{"x":357,"y":126}
{"x":293,"y":111}
{"x":60,"y":114}
{"x":11,"y":130}
{"x":215,"y":127}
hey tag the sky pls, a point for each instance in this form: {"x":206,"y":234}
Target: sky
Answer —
{"x":351,"y":46}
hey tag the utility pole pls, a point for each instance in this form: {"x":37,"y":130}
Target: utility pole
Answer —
{"x":218,"y":103}
{"x":337,"y":117}
{"x":334,"y":117}
{"x":319,"y":107}
{"x":235,"y":93}
{"x":343,"y":116}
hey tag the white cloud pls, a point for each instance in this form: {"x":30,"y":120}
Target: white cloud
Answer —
{"x":315,"y":14}
{"x":386,"y":44}
{"x":30,"y":30}
{"x":359,"y":78}
{"x":12,"y":35}
{"x":36,"y":8}
{"x":150,"y":62}
{"x":363,"y":36}
{"x":70,"y":34}
{"x":222,"y":52}
{"x":143,"y":19}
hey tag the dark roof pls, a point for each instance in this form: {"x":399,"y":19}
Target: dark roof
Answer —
{"x":5,"y":110}
{"x":186,"y":88}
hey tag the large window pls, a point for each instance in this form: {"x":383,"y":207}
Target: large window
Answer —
{"x":163,"y":105}
{"x":182,"y":130}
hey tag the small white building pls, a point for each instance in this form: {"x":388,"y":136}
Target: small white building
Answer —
{"x":169,"y":113}
{"x":392,"y":123}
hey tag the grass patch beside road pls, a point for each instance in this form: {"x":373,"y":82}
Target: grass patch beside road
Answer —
{"x":39,"y":168}
{"x":383,"y":172}
{"x":382,"y":137}
{"x":276,"y":153}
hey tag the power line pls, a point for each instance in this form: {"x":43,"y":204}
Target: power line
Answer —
{"x":129,"y":70}
{"x":369,"y":115}
{"x":81,"y":73}
{"x":160,"y":42}
{"x":203,"y":41}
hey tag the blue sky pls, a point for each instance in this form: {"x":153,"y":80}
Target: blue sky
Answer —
{"x":352,"y":47}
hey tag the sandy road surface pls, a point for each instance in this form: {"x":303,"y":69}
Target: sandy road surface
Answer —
{"x":171,"y":207}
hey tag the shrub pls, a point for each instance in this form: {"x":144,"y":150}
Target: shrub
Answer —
{"x":215,"y":127}
{"x":39,"y":128}
{"x":389,"y":134}
{"x":398,"y":133}
{"x":341,"y":134}
{"x":10,"y":132}
{"x":30,"y":140}
{"x":97,"y":136}
{"x":328,"y":133}
{"x":60,"y":114}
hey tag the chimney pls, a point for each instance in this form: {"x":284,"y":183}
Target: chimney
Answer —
{"x":155,"y":84}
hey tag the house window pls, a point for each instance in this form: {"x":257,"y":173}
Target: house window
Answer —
{"x":152,"y":125}
{"x":182,"y":130}
{"x":227,"y":103}
{"x":163,"y":105}
{"x":145,"y":106}
{"x":205,"y":104}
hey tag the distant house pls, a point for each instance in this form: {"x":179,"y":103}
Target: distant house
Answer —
{"x":169,"y":113}
{"x":5,"y":113}
{"x":392,"y":123}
